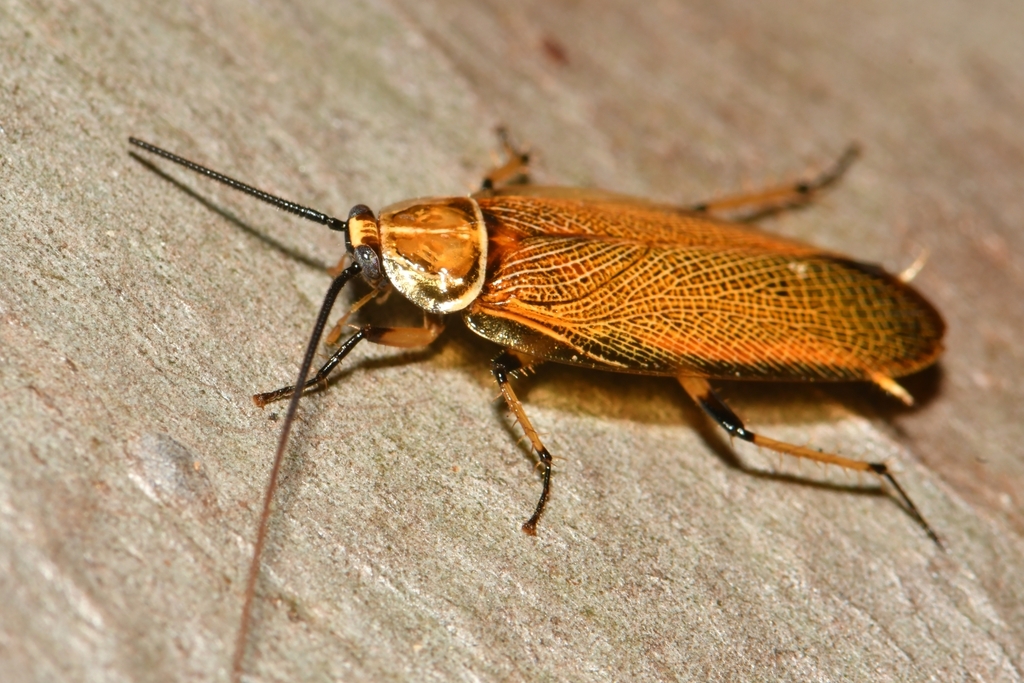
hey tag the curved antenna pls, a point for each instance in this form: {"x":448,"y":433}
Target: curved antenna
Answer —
{"x":268,"y":498}
{"x":307,"y":361}
{"x":283,"y":204}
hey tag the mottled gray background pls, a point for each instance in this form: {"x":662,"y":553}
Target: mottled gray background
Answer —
{"x":135,"y":322}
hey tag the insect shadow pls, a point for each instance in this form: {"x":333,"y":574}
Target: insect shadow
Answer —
{"x":232,"y":218}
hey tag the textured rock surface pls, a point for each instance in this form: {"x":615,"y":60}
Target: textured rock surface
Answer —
{"x":138,"y":317}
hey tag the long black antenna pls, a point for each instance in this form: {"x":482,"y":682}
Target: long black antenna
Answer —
{"x":283,"y":204}
{"x":293,"y":405}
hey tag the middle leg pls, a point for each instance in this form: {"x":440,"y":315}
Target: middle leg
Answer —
{"x":506,"y":364}
{"x":765,"y":202}
{"x":514,"y":169}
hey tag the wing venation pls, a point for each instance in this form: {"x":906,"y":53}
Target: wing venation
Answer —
{"x":643,"y":290}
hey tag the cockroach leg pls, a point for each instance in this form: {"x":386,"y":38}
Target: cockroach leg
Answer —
{"x":514,"y":168}
{"x":701,"y":392}
{"x":319,"y":379}
{"x":335,"y":334}
{"x":342,"y":263}
{"x":401,"y":337}
{"x":503,"y":366}
{"x":772,"y":200}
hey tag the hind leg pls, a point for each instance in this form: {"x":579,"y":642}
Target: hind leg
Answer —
{"x":701,"y":392}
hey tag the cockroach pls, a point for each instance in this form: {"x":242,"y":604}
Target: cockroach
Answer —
{"x":604,"y":281}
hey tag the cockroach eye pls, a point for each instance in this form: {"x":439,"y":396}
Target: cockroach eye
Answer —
{"x":367,"y":258}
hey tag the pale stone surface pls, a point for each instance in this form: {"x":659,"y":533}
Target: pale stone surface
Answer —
{"x":136,"y":322}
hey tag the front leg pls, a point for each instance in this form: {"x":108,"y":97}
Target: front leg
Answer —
{"x":401,"y":337}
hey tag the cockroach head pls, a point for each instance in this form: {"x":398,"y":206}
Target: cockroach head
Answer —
{"x":362,"y":237}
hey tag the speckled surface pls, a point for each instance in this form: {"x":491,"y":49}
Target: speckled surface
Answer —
{"x":136,"y":319}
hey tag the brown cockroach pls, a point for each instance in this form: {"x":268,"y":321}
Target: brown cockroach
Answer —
{"x":609,"y":282}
